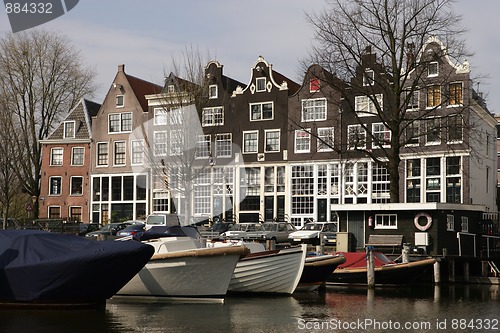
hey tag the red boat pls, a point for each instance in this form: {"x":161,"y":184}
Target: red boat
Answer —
{"x":387,"y":272}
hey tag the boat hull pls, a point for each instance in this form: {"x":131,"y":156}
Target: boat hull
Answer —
{"x":42,"y":268}
{"x":194,"y":273}
{"x":276,"y":272}
{"x":317,"y":270}
{"x":392,"y":274}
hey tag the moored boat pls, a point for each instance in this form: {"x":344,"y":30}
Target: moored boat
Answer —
{"x":180,"y":269}
{"x":39,"y":268}
{"x":387,"y":272}
{"x":275,"y":272}
{"x":317,"y":269}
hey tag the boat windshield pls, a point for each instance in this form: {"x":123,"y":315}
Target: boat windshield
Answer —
{"x":312,"y":226}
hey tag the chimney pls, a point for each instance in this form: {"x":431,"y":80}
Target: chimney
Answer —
{"x":121,"y":68}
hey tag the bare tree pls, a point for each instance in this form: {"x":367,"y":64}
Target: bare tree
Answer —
{"x":371,"y":47}
{"x":41,"y":78}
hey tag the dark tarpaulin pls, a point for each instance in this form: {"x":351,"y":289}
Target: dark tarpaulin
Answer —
{"x":42,"y":266}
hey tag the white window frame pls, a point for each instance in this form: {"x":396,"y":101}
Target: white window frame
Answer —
{"x":361,"y":132}
{"x":368,"y":77}
{"x":55,"y":193}
{"x":465,"y":223}
{"x":72,"y":133}
{"x":437,"y":141}
{"x":266,"y":137}
{"x":176,"y":142}
{"x":450,"y":222}
{"x":160,"y":148}
{"x":213,"y":91}
{"x":261,"y":111}
{"x":434,"y":103}
{"x":414,"y":99}
{"x":73,"y":155}
{"x":302,"y":135}
{"x":72,"y":178}
{"x":376,"y":132}
{"x":461,"y":92}
{"x":160,"y":116}
{"x":98,"y":145}
{"x":116,"y":145}
{"x":365,"y":106}
{"x":53,"y":161}
{"x":203,"y":146}
{"x":212,"y":116}
{"x":246,"y":147}
{"x":226,"y":139}
{"x":137,"y":152}
{"x":386,"y":221}
{"x":430,"y":69}
{"x":314,"y":109}
{"x":325,"y":140}
{"x":258,"y":81}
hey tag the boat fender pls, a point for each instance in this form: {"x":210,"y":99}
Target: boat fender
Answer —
{"x":420,"y":226}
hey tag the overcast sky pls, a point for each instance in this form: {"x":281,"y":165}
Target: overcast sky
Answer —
{"x":145,"y":35}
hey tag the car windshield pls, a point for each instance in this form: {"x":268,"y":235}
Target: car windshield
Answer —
{"x":270,"y":227}
{"x":107,"y":227}
{"x":312,"y":226}
{"x":155,"y":220}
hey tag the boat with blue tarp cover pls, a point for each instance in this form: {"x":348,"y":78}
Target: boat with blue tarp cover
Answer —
{"x":44,"y":268}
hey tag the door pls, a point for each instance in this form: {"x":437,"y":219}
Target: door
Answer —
{"x":356,"y":226}
{"x":322,"y":210}
{"x":268,"y":209}
{"x":281,"y":207}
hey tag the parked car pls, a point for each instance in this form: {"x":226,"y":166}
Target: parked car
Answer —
{"x":312,"y":231}
{"x":85,"y":228}
{"x":277,"y":231}
{"x":132,"y":229}
{"x":161,"y":219}
{"x":240,"y":230}
{"x":110,"y":229}
{"x":216,"y":230}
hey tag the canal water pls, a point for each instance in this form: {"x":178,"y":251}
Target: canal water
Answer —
{"x":457,"y":308}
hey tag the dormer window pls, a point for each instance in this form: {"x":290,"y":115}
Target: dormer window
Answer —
{"x":433,"y":69}
{"x":212,"y":91}
{"x":313,"y":85}
{"x":119,"y":101}
{"x":368,"y":77}
{"x":69,"y":129}
{"x":261,"y":84}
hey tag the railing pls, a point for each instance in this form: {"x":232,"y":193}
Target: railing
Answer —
{"x":490,"y":248}
{"x":460,"y":243}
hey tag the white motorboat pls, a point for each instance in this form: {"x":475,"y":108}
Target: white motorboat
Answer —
{"x":180,"y":269}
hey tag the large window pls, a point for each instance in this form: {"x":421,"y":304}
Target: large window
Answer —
{"x":76,"y":186}
{"x":366,"y":106}
{"x":102,"y":153}
{"x":137,"y":152}
{"x":120,"y":153}
{"x":325,"y":139}
{"x":412,"y":133}
{"x":413,"y":180}
{"x":302,"y":189}
{"x":454,"y":128}
{"x":77,"y":155}
{"x":176,"y":142}
{"x":314,"y":109}
{"x":433,"y":130}
{"x":75,"y":214}
{"x":356,"y":137}
{"x":250,"y":141}
{"x":160,"y":116}
{"x":213,"y":116}
{"x":380,"y":184}
{"x":456,"y":96}
{"x":381,"y":136}
{"x":120,"y":122}
{"x":56,"y":156}
{"x":433,"y":179}
{"x":54,"y":212}
{"x":160,"y":143}
{"x":411,"y":99}
{"x":302,"y":141}
{"x":203,"y":146}
{"x":261,"y":111}
{"x":453,"y":180}
{"x":223,"y":145}
{"x":272,"y":143}
{"x":433,"y":96}
{"x":55,"y":184}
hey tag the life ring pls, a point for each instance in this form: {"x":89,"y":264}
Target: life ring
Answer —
{"x":422,"y":227}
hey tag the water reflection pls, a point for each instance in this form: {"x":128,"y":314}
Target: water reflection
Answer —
{"x":430,"y":304}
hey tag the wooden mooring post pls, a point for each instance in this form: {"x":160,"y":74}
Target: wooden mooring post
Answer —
{"x":370,"y":272}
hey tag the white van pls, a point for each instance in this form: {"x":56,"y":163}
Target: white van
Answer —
{"x":161,"y":219}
